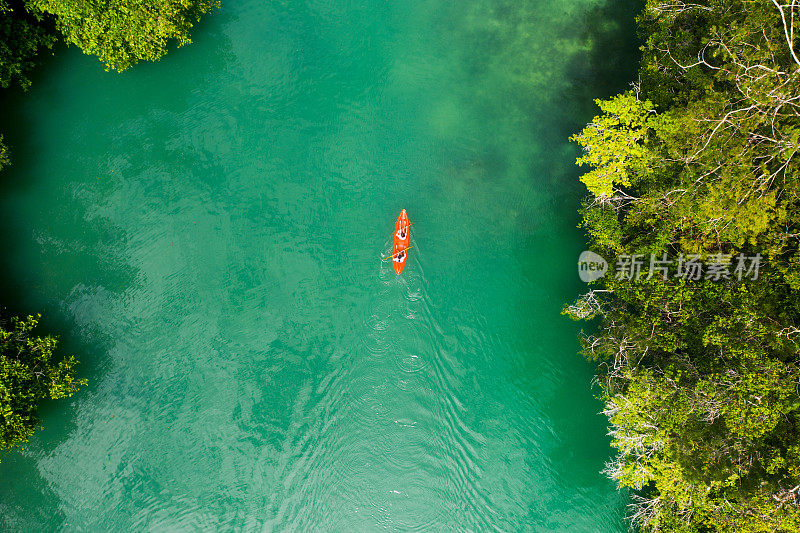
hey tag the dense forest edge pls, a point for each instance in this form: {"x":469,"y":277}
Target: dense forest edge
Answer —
{"x":120,"y":33}
{"x":694,"y":197}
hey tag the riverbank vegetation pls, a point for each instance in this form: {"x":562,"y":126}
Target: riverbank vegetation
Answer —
{"x":29,"y":375}
{"x":697,"y":166}
{"x":120,"y":33}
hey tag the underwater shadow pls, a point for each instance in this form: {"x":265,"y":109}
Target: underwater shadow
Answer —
{"x":608,"y":67}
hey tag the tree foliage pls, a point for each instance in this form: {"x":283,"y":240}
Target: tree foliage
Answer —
{"x":701,"y":378}
{"x":4,"y":159}
{"x":615,"y":145}
{"x":21,"y":38}
{"x":123,"y":32}
{"x":28,"y":375}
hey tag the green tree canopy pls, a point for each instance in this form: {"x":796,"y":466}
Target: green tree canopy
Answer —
{"x":28,"y":375}
{"x":21,"y":38}
{"x":614,"y":144}
{"x":701,"y":377}
{"x":123,"y":32}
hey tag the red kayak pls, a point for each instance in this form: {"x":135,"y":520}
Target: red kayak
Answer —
{"x":402,"y":236}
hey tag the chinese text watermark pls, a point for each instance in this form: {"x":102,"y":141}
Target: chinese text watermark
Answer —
{"x":714,"y":267}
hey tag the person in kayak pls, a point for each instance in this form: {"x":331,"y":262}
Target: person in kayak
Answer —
{"x":402,"y":233}
{"x":400,"y":257}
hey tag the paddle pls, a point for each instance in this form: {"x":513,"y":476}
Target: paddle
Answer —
{"x":397,"y":252}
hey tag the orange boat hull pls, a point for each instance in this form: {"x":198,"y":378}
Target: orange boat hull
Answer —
{"x":400,"y":243}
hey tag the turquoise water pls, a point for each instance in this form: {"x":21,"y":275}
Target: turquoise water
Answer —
{"x":205,"y":234}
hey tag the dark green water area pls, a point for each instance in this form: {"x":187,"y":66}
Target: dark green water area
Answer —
{"x":205,"y":232}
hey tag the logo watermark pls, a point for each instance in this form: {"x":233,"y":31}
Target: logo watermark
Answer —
{"x":714,"y":267}
{"x":591,"y":266}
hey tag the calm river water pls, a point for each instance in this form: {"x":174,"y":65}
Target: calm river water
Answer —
{"x":205,"y":234}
